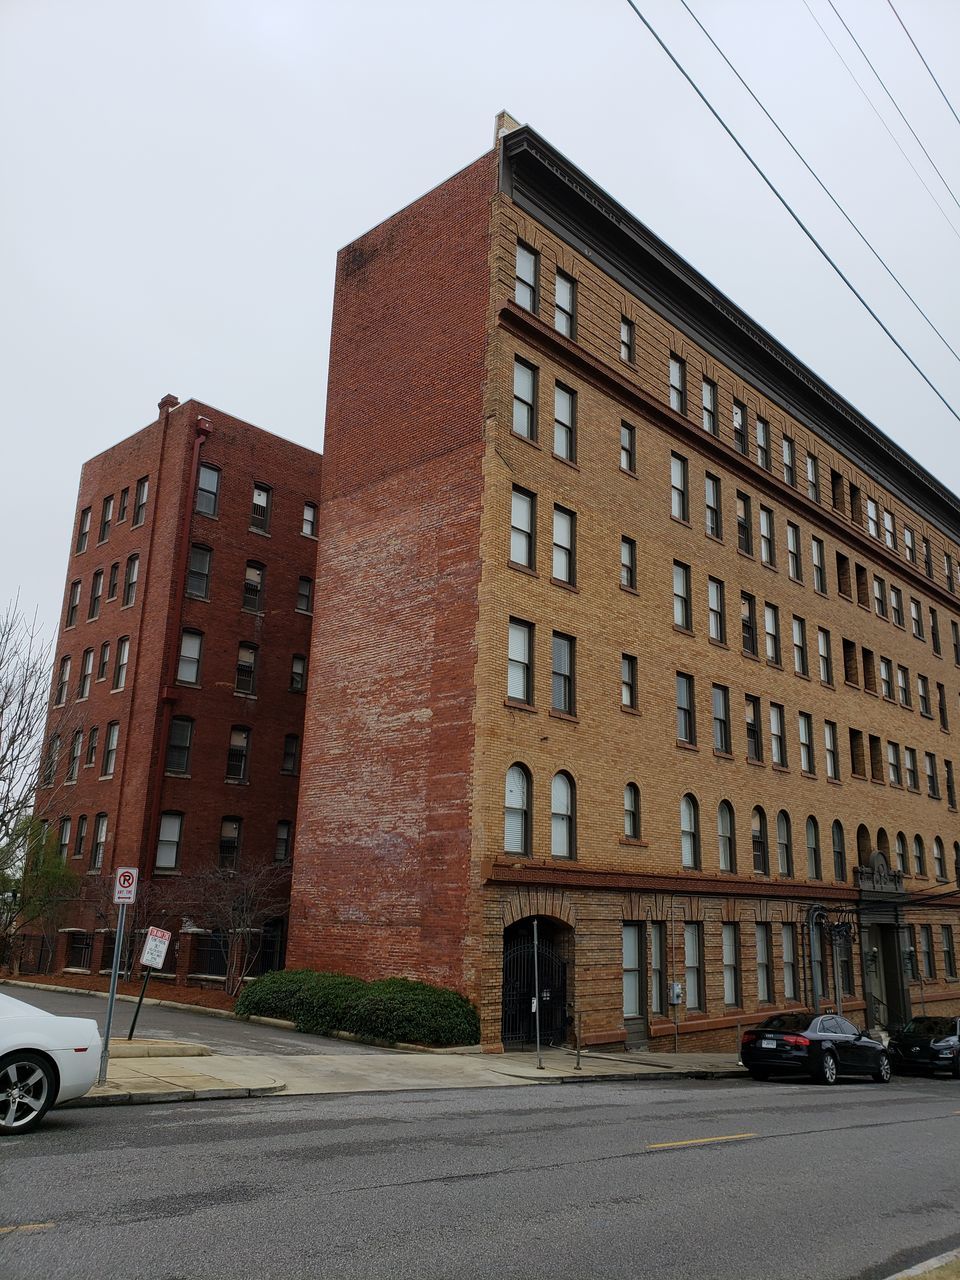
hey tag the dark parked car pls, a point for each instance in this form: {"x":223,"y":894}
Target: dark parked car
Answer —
{"x":824,"y":1047}
{"x":927,"y":1044}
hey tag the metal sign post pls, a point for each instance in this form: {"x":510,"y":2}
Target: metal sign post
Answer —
{"x":124,"y":893}
{"x":536,"y":993}
{"x":152,"y":957}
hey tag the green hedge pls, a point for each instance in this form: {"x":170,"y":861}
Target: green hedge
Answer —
{"x":397,"y":1010}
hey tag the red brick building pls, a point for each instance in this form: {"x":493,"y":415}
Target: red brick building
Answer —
{"x":627,"y":625}
{"x":179,"y":685}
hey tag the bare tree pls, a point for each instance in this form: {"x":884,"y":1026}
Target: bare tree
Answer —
{"x":24,"y":686}
{"x":37,"y":888}
{"x":157,"y":903}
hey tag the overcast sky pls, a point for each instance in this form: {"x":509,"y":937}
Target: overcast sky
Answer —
{"x":177,"y":178}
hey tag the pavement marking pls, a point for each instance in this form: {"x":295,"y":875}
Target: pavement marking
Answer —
{"x":699,"y":1142}
{"x":26,"y":1227}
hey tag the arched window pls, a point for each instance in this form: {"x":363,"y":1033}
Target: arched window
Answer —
{"x":919,"y":857}
{"x":516,"y":810}
{"x":726,"y":836}
{"x":563,"y":827}
{"x":761,"y":848}
{"x":902,"y":853}
{"x":956,"y":859}
{"x":689,"y":832}
{"x":939,"y":860}
{"x":863,"y":846}
{"x":883,"y":844}
{"x":813,"y":849}
{"x":839,"y":853}
{"x":784,"y":844}
{"x":631,"y":811}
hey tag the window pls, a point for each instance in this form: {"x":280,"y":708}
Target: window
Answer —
{"x":168,"y":841}
{"x":778,"y":735}
{"x":807,"y":760}
{"x":896,"y":606}
{"x":628,"y":448}
{"x":51,"y":760}
{"x":564,"y":545}
{"x":106,"y":518}
{"x":83,"y":530}
{"x":916,"y":618}
{"x":528,"y":277}
{"x":563,"y":684}
{"x":309,"y":525}
{"x":730,"y":938}
{"x":519,"y":661}
{"x":856,"y":505}
{"x":788,"y":942}
{"x":238,"y":753}
{"x":739,"y":427}
{"x":110,"y":749}
{"x":253,"y":587}
{"x":628,"y":681}
{"x":935,"y":631}
{"x":926,"y":951}
{"x":140,"y":499}
{"x":789,"y":461}
{"x":713,"y":520}
{"x":64,"y":840}
{"x":689,"y":833}
{"x":836,"y":491}
{"x":813,"y":849}
{"x":813,"y":478}
{"x":763,"y":443}
{"x":198,"y":572}
{"x":744,"y":524}
{"x":909,"y":544}
{"x":523,"y":524}
{"x":768,"y":543}
{"x":919,"y":857}
{"x":927,"y":557}
{"x":658,"y":967}
{"x":304,"y":595}
{"x":178,"y":745}
{"x":754,"y":730}
{"x":819,"y":566}
{"x":764,"y":964}
{"x":886,"y":678}
{"x":260,"y":507}
{"x":758,"y":834}
{"x":709,"y":399}
{"x":903,"y":687}
{"x":939,"y":860}
{"x":771,"y":625}
{"x":839,"y":852}
{"x":843,"y":576}
{"x":726,"y":836}
{"x":873,"y":519}
{"x":284,"y":842}
{"x":862,"y":594}
{"x":208,"y":490}
{"x":123,"y":505}
{"x":682,"y":602}
{"x":86,"y":674}
{"x":524,"y":399}
{"x":825,"y":656}
{"x":562,"y":816}
{"x":910,"y":768}
{"x":298,"y":673}
{"x":948,"y":572}
{"x":246,"y":675}
{"x":686,"y":711}
{"x":879,"y":597}
{"x":230,"y":831}
{"x":130,"y":580}
{"x":955,"y":635}
{"x":748,"y":623}
{"x":516,"y":810}
{"x":923,"y":695}
{"x":889,"y":530}
{"x":678,"y":384}
{"x":717,"y":613}
{"x":876,"y":759}
{"x":721,"y":720}
{"x":632,"y":971}
{"x":679,"y":492}
{"x":951,"y":784}
{"x":832,"y":749}
{"x":63,"y":682}
{"x":565,"y":310}
{"x":104,"y":661}
{"x":289,"y":761}
{"x":99,"y":841}
{"x":96,"y":591}
{"x":113,"y":580}
{"x":933,"y":781}
{"x":631,"y":811}
{"x":188,"y":665}
{"x":120,"y":666}
{"x":851,"y":668}
{"x":949,"y":955}
{"x":784,"y":844}
{"x":564,"y":423}
{"x":800,"y":664}
{"x":73,"y":763}
{"x":628,"y":563}
{"x":693,"y":964}
{"x":794,"y":555}
{"x":627,"y":340}
{"x":942,"y":707}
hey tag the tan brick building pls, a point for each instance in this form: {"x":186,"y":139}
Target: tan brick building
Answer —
{"x":627,"y":624}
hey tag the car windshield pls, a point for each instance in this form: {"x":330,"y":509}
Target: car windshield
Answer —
{"x":785,"y":1022}
{"x":931,"y":1027}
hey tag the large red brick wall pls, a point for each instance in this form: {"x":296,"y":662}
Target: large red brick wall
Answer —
{"x":381,"y":866}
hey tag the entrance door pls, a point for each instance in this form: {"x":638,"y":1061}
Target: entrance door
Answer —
{"x":634,"y":984}
{"x":519,"y":988}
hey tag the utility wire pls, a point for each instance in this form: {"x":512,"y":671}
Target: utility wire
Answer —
{"x":873,"y":108}
{"x":925,"y":63}
{"x":806,"y":231}
{"x":836,"y":204}
{"x":883,"y":86}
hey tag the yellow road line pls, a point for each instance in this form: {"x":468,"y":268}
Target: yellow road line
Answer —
{"x":698,"y":1142}
{"x":26,"y":1227}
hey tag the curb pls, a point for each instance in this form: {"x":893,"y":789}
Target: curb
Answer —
{"x":84,"y":991}
{"x":170,"y":1095}
{"x":924,"y":1268}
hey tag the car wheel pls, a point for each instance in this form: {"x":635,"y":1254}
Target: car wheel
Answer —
{"x":826,"y":1073}
{"x":883,"y":1073}
{"x":757,"y":1073}
{"x":28,"y":1089}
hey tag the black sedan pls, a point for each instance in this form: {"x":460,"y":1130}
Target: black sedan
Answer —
{"x":825,"y":1047}
{"x":927,"y":1044}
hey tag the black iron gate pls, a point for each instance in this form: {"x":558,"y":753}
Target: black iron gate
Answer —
{"x":518,"y":992}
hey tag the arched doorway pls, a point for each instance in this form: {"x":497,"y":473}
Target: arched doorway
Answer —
{"x":554,"y":969}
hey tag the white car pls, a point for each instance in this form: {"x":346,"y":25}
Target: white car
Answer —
{"x":43,"y":1059}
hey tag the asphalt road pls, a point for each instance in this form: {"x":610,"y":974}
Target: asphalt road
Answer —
{"x":222,"y":1035}
{"x":849,"y":1183}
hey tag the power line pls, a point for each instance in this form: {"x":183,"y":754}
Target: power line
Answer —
{"x":873,"y":108}
{"x":883,"y":86}
{"x":840,"y":209}
{"x":796,"y":217}
{"x":925,"y":63}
